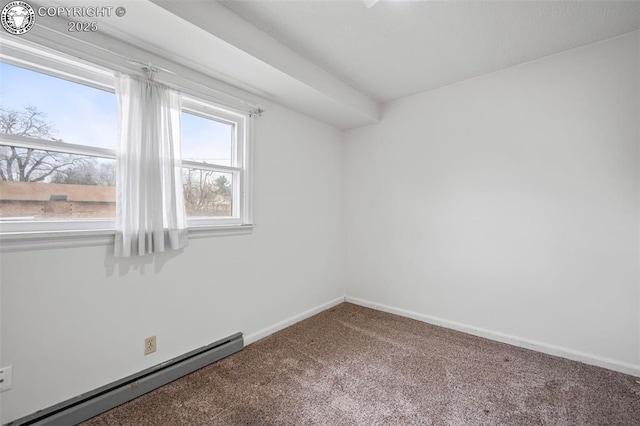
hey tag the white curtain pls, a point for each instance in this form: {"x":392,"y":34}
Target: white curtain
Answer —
{"x":150,"y":215}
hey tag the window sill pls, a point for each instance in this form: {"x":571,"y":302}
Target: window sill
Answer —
{"x":44,"y":240}
{"x":219,"y":230}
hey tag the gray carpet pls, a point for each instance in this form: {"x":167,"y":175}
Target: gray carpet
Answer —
{"x":356,"y":366}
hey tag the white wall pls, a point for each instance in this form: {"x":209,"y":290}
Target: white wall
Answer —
{"x":508,"y":205}
{"x":75,"y":319}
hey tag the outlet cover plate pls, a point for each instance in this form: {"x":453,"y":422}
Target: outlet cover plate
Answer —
{"x":150,"y":345}
{"x":6,"y":378}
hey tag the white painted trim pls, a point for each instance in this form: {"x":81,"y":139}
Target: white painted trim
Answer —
{"x":23,"y":241}
{"x":505,"y":338}
{"x":51,"y":62}
{"x":261,"y":334}
{"x":190,"y":164}
{"x":246,"y":187}
{"x":57,"y":146}
{"x":219,"y":231}
{"x":29,"y":228}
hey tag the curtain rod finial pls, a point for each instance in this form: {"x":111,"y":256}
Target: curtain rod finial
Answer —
{"x":150,"y":71}
{"x":257,"y":112}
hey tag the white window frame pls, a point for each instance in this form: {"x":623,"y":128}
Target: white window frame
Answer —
{"x":240,"y":214}
{"x":19,"y":235}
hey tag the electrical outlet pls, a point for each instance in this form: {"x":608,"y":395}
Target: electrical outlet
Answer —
{"x":150,"y":345}
{"x":6,"y":378}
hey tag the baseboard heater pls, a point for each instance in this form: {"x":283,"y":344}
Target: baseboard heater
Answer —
{"x":85,"y":406}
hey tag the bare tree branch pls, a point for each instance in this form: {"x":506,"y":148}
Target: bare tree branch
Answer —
{"x":38,"y":165}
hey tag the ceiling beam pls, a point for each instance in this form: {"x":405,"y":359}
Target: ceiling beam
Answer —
{"x":220,"y":22}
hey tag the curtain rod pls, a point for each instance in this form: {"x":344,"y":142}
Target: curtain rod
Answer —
{"x":47,"y":41}
{"x":151,"y":70}
{"x":92,"y":49}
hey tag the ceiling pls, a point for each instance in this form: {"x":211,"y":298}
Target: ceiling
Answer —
{"x":337,"y":61}
{"x":399,"y":48}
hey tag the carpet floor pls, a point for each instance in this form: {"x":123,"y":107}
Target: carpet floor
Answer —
{"x":351,"y":365}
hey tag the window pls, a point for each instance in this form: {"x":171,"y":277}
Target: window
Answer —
{"x":58,"y":137}
{"x":57,"y":151}
{"x":213,"y":157}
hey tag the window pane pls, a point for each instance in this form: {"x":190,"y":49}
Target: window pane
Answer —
{"x":207,"y":193}
{"x":43,"y":185}
{"x":206,"y":140}
{"x":43,"y":107}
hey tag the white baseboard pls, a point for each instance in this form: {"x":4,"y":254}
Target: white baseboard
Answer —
{"x":253,"y":337}
{"x":505,"y":338}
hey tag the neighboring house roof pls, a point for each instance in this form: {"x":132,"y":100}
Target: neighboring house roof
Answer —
{"x":26,"y":191}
